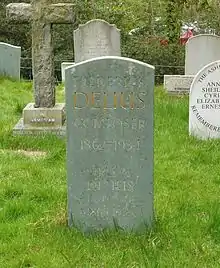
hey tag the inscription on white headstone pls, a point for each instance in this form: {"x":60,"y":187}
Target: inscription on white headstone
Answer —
{"x":204,"y":103}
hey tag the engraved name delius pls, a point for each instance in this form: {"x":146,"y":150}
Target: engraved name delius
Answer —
{"x":110,"y":145}
{"x":109,"y":100}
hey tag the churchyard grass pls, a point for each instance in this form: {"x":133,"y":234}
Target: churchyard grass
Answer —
{"x":33,"y":192}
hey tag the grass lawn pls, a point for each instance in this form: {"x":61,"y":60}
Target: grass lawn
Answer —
{"x":33,"y":192}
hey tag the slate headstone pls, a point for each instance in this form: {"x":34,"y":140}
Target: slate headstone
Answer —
{"x":96,"y":38}
{"x":200,"y":51}
{"x":109,"y":109}
{"x":204,"y":103}
{"x":10,"y":60}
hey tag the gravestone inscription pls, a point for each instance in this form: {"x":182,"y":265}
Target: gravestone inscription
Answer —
{"x":96,"y":38}
{"x":109,"y":109}
{"x":10,"y":60}
{"x":204,"y":103}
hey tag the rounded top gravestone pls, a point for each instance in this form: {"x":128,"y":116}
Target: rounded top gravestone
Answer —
{"x":109,"y":112}
{"x":204,"y":102}
{"x":201,"y":50}
{"x":96,"y":38}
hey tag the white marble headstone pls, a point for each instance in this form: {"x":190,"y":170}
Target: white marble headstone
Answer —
{"x":96,"y":38}
{"x":201,"y":50}
{"x":204,"y":103}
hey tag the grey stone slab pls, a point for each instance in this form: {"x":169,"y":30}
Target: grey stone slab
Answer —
{"x":204,"y":103}
{"x":19,"y":12}
{"x":109,"y":111}
{"x":26,"y":130}
{"x":47,"y":117}
{"x":201,"y":50}
{"x":10,"y":60}
{"x":178,"y":84}
{"x":64,"y":65}
{"x":41,"y":121}
{"x":96,"y":38}
{"x":52,"y":13}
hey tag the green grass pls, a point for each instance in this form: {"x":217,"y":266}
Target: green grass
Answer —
{"x":33,"y":223}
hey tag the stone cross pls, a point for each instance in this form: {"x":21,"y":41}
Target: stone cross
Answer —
{"x":42,"y":15}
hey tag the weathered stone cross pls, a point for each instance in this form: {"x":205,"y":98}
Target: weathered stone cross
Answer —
{"x":42,"y":15}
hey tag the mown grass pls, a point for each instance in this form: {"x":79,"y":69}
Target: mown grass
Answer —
{"x":33,"y":223}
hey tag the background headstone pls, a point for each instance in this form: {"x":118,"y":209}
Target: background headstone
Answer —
{"x":109,"y":109}
{"x":64,"y":65}
{"x":204,"y":103}
{"x":96,"y":38}
{"x":10,"y":60}
{"x":178,"y":84}
{"x":200,"y":51}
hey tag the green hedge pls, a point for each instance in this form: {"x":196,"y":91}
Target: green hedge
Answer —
{"x":167,"y":59}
